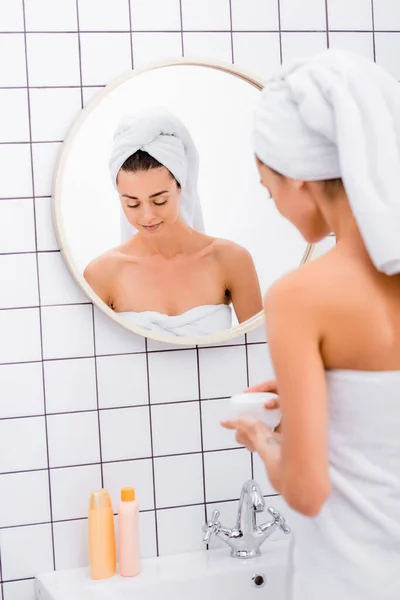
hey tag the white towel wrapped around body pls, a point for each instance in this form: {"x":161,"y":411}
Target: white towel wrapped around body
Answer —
{"x":338,"y":115}
{"x":199,"y":321}
{"x":165,"y":138}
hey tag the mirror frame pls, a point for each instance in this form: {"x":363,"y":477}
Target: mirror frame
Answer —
{"x":214,"y":339}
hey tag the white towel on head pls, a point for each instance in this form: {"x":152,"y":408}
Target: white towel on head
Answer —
{"x":165,"y":138}
{"x":338,"y":115}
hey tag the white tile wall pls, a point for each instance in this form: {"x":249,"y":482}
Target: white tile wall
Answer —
{"x":83,"y":402}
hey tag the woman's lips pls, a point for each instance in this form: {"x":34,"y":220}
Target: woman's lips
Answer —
{"x":151,"y":227}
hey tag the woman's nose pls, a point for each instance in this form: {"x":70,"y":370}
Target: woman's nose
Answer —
{"x":148,"y":213}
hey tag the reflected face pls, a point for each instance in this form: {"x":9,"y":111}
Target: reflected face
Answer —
{"x":296,"y":201}
{"x":150,"y":199}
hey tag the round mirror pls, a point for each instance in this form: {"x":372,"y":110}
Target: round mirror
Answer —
{"x":126,"y":241}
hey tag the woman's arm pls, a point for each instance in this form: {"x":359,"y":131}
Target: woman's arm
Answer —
{"x":98,"y":275}
{"x":242,"y":282}
{"x":297,"y":459}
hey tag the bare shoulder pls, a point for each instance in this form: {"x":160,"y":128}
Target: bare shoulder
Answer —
{"x":321,"y":283}
{"x":104,"y":264}
{"x":229,"y":252}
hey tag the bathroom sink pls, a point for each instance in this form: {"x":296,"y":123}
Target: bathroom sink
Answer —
{"x":211,"y":575}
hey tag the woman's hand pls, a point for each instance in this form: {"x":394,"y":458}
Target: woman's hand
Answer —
{"x":255,"y":435}
{"x":271,"y":387}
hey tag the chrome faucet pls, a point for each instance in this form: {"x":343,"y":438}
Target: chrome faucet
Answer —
{"x":246,"y":538}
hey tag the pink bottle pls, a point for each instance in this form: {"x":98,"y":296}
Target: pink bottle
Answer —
{"x":128,"y":524}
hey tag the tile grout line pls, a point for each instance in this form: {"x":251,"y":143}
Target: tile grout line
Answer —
{"x":152,"y":448}
{"x":248,"y":384}
{"x":39,"y":294}
{"x":373,"y":29}
{"x":203,"y":466}
{"x":327,"y":24}
{"x":97,"y":398}
{"x":131,"y":33}
{"x":181,"y":29}
{"x":231,"y":32}
{"x":79,"y":51}
{"x":280,"y":32}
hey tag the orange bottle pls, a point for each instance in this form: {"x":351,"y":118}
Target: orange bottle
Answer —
{"x":128,"y":522}
{"x":101,"y":536}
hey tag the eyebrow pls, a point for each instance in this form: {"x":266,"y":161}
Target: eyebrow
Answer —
{"x":152,"y":195}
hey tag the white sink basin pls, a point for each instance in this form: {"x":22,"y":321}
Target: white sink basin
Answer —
{"x":211,"y":575}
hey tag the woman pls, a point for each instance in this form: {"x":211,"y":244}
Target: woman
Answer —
{"x":168,"y":276}
{"x":327,"y":141}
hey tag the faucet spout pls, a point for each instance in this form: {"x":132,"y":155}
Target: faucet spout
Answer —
{"x":251,"y":502}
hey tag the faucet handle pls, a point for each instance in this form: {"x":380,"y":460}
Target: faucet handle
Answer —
{"x":279,"y":520}
{"x":212,"y":526}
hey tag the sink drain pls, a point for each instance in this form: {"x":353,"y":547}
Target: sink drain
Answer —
{"x":258,"y":580}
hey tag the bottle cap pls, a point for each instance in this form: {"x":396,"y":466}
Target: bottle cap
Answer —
{"x":100,"y":499}
{"x":128,"y":494}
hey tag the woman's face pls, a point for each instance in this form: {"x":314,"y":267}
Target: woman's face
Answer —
{"x":297,"y":201}
{"x":150,"y":199}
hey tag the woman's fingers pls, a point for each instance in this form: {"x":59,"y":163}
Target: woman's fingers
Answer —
{"x":265,"y":386}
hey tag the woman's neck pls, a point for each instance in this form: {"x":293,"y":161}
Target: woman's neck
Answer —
{"x":179,"y":238}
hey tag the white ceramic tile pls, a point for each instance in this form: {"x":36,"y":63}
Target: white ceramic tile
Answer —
{"x":16,"y":173}
{"x":259,"y":15}
{"x":17,"y":559}
{"x":122,"y":380}
{"x":70,"y":385}
{"x":17,"y":226}
{"x":257,"y":335}
{"x":12,"y":70}
{"x":73,"y":439}
{"x":308,"y":14}
{"x":47,"y":15}
{"x":44,"y":163}
{"x":21,"y":390}
{"x":46,"y":239}
{"x":111,"y":338}
{"x":132,"y":473}
{"x":52,"y":112}
{"x":354,"y":15}
{"x":302,"y":45}
{"x":67,"y":331}
{"x":104,"y":56}
{"x":206,"y":15}
{"x":14,"y":508}
{"x":57,"y":285}
{"x":173,"y":376}
{"x":103,"y":15}
{"x":14,"y":121}
{"x":20,"y":335}
{"x":11,"y":15}
{"x":261,"y":476}
{"x":18,"y":281}
{"x":71,"y":544}
{"x":176,"y":428}
{"x":19,"y":590}
{"x":179,"y":530}
{"x":214,"y":46}
{"x":154,"y":47}
{"x":260,"y":365}
{"x":387,"y":15}
{"x":125,"y":433}
{"x":216,"y":437}
{"x":71,"y":489}
{"x":147,"y":534}
{"x":89,"y":93}
{"x":387,"y":51}
{"x":154,"y":345}
{"x":251,"y":50}
{"x":14,"y":434}
{"x":225,"y":473}
{"x":153,"y":15}
{"x":228,"y":517}
{"x":53,"y":59}
{"x":179,"y":480}
{"x":222,"y":371}
{"x":361,"y":43}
